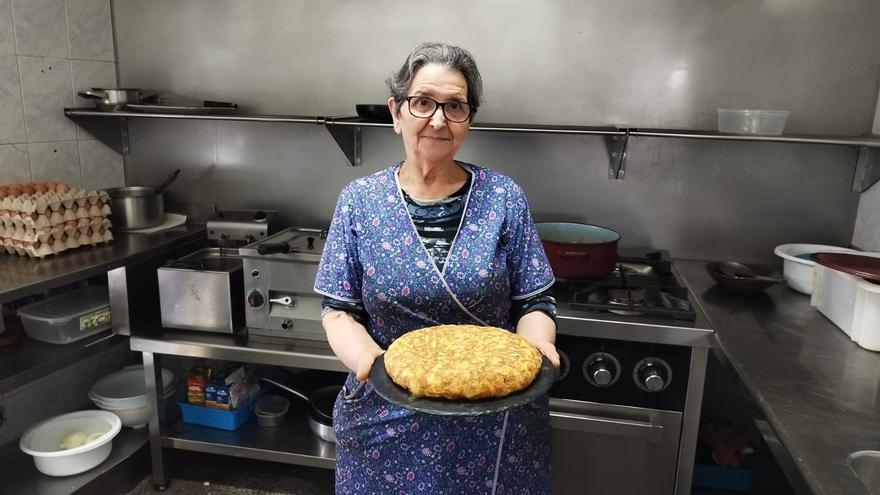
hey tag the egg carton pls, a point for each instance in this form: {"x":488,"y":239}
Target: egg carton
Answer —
{"x":52,"y":218}
{"x":41,"y":249}
{"x":41,"y":202}
{"x":56,"y":231}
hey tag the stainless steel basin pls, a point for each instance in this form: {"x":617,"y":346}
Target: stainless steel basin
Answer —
{"x":866,"y":465}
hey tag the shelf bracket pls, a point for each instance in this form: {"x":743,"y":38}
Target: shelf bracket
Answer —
{"x":616,"y":146}
{"x":350,"y":141}
{"x":867,"y":169}
{"x":111,"y":131}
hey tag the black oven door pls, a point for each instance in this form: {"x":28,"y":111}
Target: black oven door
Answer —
{"x":603,"y":448}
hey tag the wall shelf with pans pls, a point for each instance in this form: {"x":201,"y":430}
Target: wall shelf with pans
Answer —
{"x":112,"y":129}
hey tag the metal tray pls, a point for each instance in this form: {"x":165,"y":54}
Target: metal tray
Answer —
{"x":182,"y":109}
{"x":390,"y":391}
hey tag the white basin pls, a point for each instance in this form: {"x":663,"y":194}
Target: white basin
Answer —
{"x":866,"y":465}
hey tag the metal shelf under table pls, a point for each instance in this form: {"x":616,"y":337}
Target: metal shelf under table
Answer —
{"x":292,"y":442}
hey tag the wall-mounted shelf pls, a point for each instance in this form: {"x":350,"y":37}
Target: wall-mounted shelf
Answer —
{"x":112,"y":129}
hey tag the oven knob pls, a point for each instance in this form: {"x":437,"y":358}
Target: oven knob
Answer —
{"x":286,"y":324}
{"x":601,"y":369}
{"x":256,"y":299}
{"x":652,"y":375}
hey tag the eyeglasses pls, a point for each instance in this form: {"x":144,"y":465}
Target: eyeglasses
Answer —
{"x":425,"y":108}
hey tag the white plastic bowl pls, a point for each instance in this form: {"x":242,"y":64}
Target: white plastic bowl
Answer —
{"x":798,"y":272}
{"x":43,"y":441}
{"x":127,"y":385}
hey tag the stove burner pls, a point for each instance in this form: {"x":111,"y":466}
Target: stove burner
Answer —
{"x":629,"y":298}
{"x":639,"y":286}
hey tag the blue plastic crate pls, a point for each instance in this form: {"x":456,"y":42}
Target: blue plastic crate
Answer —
{"x":738,"y":480}
{"x":217,"y":418}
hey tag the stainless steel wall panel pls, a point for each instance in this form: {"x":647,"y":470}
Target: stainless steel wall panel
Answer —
{"x":649,"y":64}
{"x":699,"y":199}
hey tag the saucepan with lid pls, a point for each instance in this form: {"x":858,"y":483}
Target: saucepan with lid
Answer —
{"x":108,"y":100}
{"x":579,"y":250}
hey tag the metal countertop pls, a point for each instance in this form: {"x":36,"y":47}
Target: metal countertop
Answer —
{"x":21,"y":276}
{"x":818,"y":390}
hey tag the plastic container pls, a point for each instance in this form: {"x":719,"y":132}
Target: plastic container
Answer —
{"x":124,"y":394}
{"x":69,"y":317}
{"x":851,"y":303}
{"x":43,"y":441}
{"x":217,"y":418}
{"x":768,"y":122}
{"x":271,"y":410}
{"x":737,"y":480}
{"x":797,"y":267}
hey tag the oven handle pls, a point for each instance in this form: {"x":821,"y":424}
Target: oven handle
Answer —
{"x":647,"y":430}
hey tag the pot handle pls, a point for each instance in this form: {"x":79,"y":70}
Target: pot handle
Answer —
{"x":91,"y":94}
{"x":287,"y":388}
{"x":574,"y":254}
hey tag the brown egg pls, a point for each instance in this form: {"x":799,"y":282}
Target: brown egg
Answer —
{"x":13,"y":191}
{"x":3,"y":193}
{"x":3,"y":189}
{"x":70,"y":223}
{"x":40,"y":188}
{"x":83,"y":221}
{"x":62,"y":187}
{"x":27,"y":189}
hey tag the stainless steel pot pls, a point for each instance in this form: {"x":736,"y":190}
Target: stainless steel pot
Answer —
{"x":108,"y":100}
{"x":138,"y":207}
{"x":321,"y":402}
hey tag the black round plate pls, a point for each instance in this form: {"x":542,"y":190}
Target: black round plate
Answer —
{"x":390,"y":391}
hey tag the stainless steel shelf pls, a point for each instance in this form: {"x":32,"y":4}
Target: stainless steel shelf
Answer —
{"x":295,"y":353}
{"x":32,"y":359}
{"x":292,"y":442}
{"x":24,"y":276}
{"x":79,"y":112}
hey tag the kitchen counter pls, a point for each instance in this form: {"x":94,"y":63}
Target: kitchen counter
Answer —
{"x":22,"y":276}
{"x":818,"y":390}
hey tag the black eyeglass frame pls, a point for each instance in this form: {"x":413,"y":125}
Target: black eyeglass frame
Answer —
{"x":437,"y":104}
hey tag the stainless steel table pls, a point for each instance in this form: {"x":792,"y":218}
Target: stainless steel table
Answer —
{"x":292,"y":443}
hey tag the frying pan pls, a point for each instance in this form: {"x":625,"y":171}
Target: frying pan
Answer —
{"x":321,"y":402}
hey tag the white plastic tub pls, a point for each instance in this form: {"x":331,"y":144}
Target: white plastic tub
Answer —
{"x":43,"y":442}
{"x":69,"y":317}
{"x":797,"y":271}
{"x":769,"y":122}
{"x":124,"y":394}
{"x":851,"y":303}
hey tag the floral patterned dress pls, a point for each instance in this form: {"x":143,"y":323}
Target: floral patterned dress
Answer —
{"x":373,"y":256}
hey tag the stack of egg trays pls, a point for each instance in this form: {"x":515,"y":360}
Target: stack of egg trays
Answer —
{"x":45,"y":223}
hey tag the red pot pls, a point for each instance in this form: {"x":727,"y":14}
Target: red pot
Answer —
{"x":579,"y":250}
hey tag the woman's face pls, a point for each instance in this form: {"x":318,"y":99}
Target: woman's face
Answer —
{"x":434,"y":139}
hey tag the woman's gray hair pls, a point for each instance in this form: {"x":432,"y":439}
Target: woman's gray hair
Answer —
{"x":451,"y":56}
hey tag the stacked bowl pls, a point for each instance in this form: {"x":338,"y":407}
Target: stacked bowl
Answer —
{"x":124,"y":394}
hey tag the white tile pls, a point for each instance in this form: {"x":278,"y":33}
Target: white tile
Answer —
{"x":7,"y":37}
{"x":40,"y":28}
{"x":57,"y":161}
{"x":89,"y":74}
{"x":14,"y":166}
{"x":74,"y":382}
{"x":90,"y":25}
{"x":30,"y":404}
{"x":102,"y":168}
{"x":12,"y":128}
{"x":47,"y":89}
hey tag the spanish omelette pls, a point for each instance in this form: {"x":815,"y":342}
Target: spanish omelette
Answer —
{"x":462,"y":362}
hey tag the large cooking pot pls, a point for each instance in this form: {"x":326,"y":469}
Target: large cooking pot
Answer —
{"x":579,"y":250}
{"x":138,"y":207}
{"x":321,"y":402}
{"x":108,"y":100}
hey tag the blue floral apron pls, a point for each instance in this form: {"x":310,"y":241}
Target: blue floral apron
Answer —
{"x":373,"y":256}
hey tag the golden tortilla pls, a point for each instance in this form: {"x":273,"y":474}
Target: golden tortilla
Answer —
{"x":462,"y":362}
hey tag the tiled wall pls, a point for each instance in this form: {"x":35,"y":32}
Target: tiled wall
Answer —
{"x":63,"y":391}
{"x":50,"y":50}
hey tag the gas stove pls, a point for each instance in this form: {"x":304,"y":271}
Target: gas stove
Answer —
{"x":633,"y":349}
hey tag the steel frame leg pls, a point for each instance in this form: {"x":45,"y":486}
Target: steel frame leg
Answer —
{"x":153,"y":382}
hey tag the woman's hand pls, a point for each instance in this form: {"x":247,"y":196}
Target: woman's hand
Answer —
{"x":364,"y":362}
{"x":540,"y":330}
{"x":548,"y":349}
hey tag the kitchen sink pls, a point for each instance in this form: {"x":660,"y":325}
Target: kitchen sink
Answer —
{"x":866,"y":465}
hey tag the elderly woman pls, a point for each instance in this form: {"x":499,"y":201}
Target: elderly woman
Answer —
{"x":432,"y":241}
